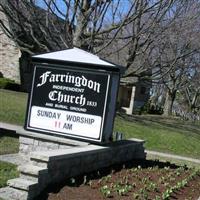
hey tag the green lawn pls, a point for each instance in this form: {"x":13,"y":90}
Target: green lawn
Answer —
{"x":161,"y":134}
{"x":7,"y":171}
{"x":8,"y":144}
{"x":12,"y":106}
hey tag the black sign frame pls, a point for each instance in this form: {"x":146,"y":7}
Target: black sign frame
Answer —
{"x":68,"y":68}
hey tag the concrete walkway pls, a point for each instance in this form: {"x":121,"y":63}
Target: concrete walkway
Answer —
{"x":9,"y":127}
{"x":13,"y":158}
{"x":166,"y":155}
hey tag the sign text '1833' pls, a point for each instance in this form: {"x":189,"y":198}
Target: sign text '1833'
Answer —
{"x":92,"y":103}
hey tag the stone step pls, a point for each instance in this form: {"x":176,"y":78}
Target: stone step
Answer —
{"x":23,"y":184}
{"x":38,"y":163}
{"x":32,"y":170}
{"x":8,"y":193}
{"x":34,"y":173}
{"x":29,"y":177}
{"x":60,"y":154}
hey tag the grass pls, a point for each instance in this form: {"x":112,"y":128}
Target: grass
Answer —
{"x":7,"y":171}
{"x":8,"y":145}
{"x":12,"y":106}
{"x":161,"y":134}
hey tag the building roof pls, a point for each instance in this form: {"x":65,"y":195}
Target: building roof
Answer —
{"x":129,"y":81}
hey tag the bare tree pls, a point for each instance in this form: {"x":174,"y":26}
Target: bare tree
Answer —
{"x":192,"y":90}
{"x":92,"y":25}
{"x":176,"y":47}
{"x":133,"y":45}
{"x":63,"y":24}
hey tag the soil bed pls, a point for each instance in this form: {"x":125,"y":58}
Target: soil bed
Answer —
{"x":137,"y":180}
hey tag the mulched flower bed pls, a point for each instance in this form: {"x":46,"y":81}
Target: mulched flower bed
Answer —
{"x":137,"y":180}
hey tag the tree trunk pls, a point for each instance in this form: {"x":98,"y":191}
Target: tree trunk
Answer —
{"x":82,"y":22}
{"x":169,"y":101}
{"x":25,"y":71}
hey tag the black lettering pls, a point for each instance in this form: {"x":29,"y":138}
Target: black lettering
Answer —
{"x":38,"y":113}
{"x":67,"y":126}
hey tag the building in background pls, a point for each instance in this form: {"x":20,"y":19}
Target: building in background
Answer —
{"x":133,"y":94}
{"x":9,"y":55}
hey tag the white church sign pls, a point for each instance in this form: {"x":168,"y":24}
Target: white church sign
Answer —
{"x":72,"y":100}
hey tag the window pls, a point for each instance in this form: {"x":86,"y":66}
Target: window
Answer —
{"x":142,"y":90}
